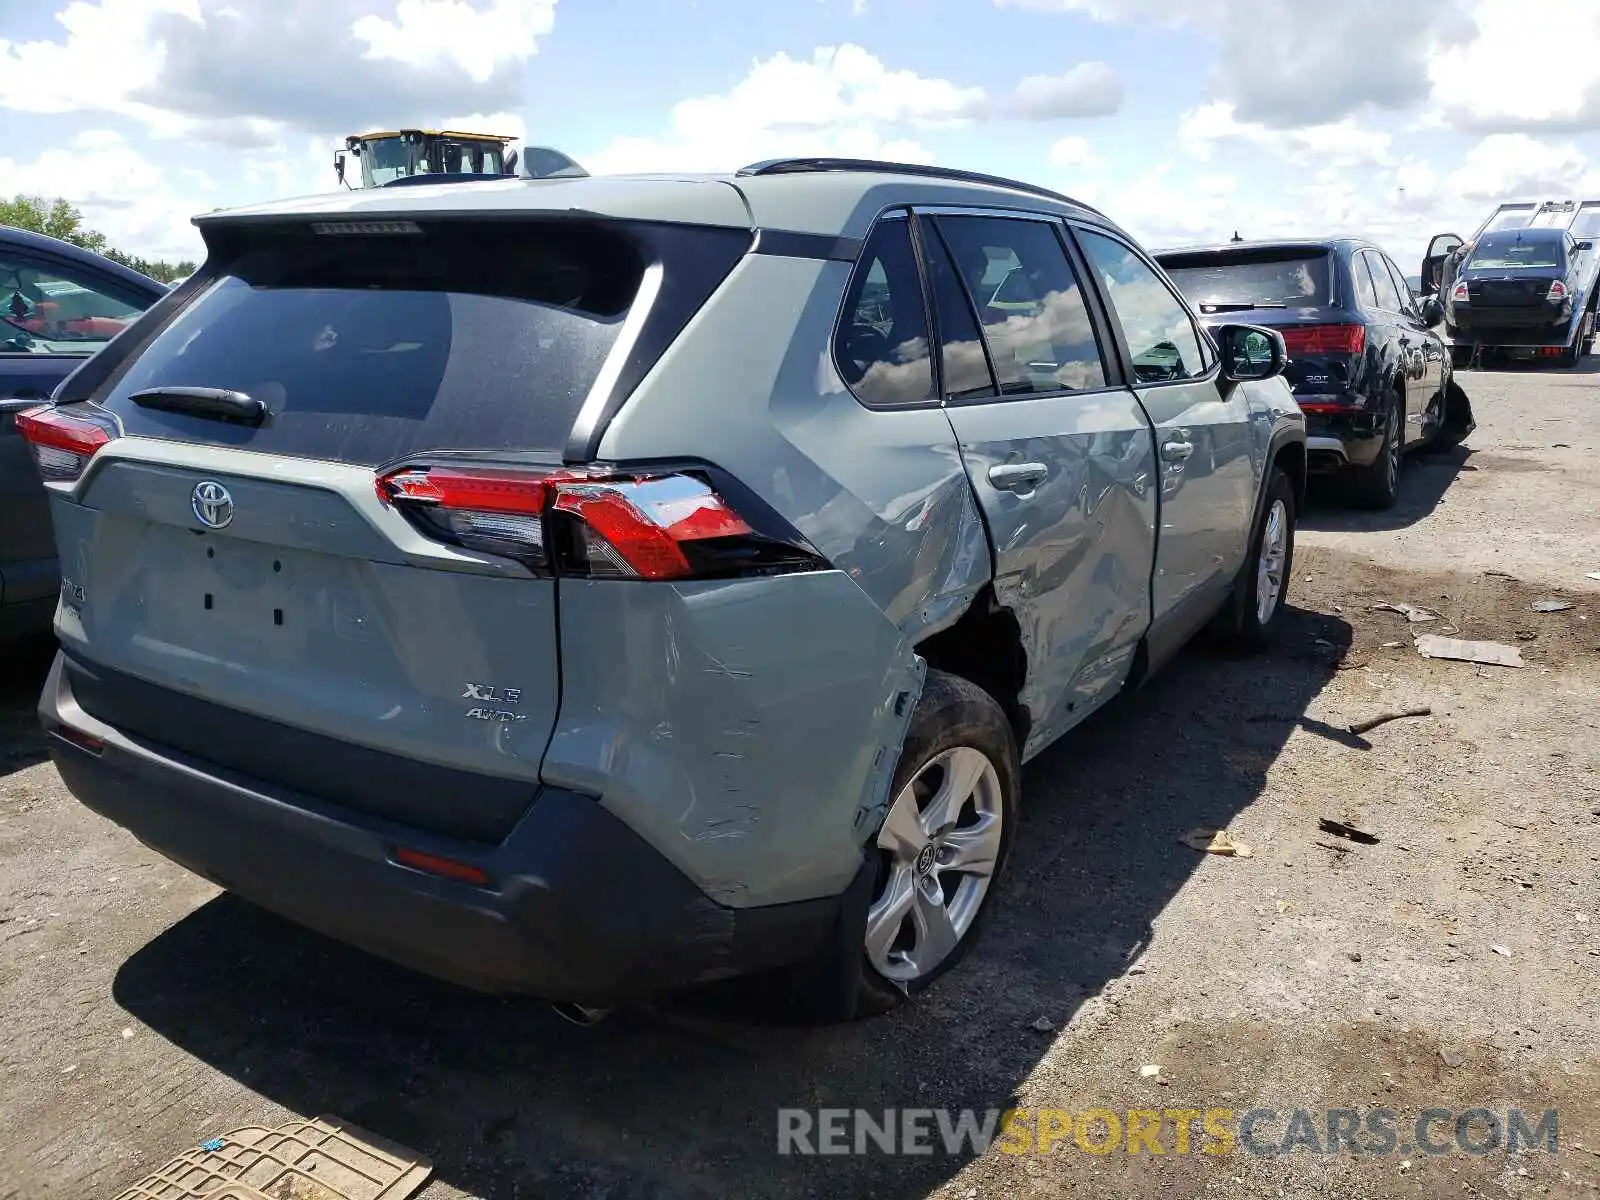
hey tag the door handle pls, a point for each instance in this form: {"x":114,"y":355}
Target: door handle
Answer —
{"x":1176,"y":450}
{"x":1017,"y":477}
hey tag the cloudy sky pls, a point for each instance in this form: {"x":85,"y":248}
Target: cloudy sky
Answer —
{"x":1185,"y":119}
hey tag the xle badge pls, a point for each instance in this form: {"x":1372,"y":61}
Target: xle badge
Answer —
{"x":489,"y":693}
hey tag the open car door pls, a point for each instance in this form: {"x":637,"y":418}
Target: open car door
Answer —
{"x":1432,"y":273}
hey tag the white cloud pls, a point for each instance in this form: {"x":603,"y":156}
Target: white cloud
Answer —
{"x":249,"y":77}
{"x":1345,"y":143}
{"x":1514,"y":165}
{"x":1074,"y":152}
{"x":845,"y":101}
{"x":137,"y":205}
{"x":433,"y":32}
{"x":1534,"y":66}
{"x":1286,"y":63}
{"x":1089,"y":89}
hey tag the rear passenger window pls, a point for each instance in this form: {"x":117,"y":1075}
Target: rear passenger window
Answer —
{"x":882,"y":344}
{"x":1162,"y":339}
{"x":965,"y":362}
{"x":1366,"y":293}
{"x":1388,"y":297}
{"x":1035,"y":322}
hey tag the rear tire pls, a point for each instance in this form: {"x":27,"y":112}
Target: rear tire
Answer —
{"x":938,"y":855}
{"x":1377,"y":485}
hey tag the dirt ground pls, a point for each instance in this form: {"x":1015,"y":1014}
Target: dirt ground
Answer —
{"x":1454,"y":964}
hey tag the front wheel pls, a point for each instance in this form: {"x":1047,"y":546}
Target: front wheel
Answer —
{"x":1264,"y":585}
{"x":942,"y":846}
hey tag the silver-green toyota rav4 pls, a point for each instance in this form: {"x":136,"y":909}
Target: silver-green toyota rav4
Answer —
{"x":592,"y":587}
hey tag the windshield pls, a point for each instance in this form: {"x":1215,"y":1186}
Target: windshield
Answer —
{"x":382,"y":161}
{"x":1296,"y":279}
{"x":1511,"y":253}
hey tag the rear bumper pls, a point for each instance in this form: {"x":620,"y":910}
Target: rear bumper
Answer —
{"x":1341,"y":438}
{"x":1536,"y":325}
{"x":580,"y":907}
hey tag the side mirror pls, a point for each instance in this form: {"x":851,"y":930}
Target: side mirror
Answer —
{"x":1432,"y":311}
{"x":338,"y":164}
{"x":1251,"y":352}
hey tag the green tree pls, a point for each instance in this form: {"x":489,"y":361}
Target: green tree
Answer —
{"x":59,"y":218}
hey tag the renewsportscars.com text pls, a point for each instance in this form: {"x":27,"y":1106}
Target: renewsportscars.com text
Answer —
{"x":1264,"y":1132}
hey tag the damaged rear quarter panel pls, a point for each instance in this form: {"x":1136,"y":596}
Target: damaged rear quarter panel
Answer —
{"x":747,"y":728}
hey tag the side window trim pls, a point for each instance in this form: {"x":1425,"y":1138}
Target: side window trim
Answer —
{"x":1110,"y":366}
{"x":1210,"y":354}
{"x":923,"y":221}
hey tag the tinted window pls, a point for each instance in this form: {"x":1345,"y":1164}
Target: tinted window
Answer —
{"x":47,"y":309}
{"x":1402,"y":288}
{"x":882,"y":343}
{"x":966,"y":366}
{"x":1510,"y":251}
{"x":1388,"y":296}
{"x":1361,"y":276}
{"x":365,"y":348}
{"x":1160,"y":334}
{"x":1027,"y":298}
{"x":1295,"y":279}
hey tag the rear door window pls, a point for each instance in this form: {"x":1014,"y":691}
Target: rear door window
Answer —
{"x":1388,"y":294}
{"x":366,"y":348}
{"x":1026,"y":295}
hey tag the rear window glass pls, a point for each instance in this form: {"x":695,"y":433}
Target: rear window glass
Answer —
{"x":1510,"y":252}
{"x":1295,"y":279}
{"x":364,"y":348}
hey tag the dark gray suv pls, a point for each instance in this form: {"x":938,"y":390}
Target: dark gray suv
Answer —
{"x":592,"y":587}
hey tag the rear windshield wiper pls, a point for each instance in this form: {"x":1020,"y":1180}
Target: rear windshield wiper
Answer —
{"x":222,"y":404}
{"x":1239,"y":305}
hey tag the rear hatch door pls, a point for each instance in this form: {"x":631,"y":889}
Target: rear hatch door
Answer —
{"x":236,"y":589}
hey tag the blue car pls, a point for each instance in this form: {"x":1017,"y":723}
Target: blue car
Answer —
{"x":58,"y":305}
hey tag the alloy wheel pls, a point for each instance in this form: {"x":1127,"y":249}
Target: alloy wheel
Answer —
{"x":940,"y":843}
{"x":1270,"y":562}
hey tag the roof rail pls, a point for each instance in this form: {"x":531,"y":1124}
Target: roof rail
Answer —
{"x":796,"y":166}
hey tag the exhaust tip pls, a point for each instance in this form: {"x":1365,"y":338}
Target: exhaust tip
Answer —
{"x":580,"y":1014}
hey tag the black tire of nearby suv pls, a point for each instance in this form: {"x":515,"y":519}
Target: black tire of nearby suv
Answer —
{"x":837,"y":984}
{"x":1374,"y":486}
{"x":1243,"y":625}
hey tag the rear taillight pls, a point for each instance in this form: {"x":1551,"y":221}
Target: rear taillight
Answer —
{"x":595,"y":524}
{"x":1324,"y":339}
{"x":62,"y":441}
{"x":1558,"y":291}
{"x":1461,"y":294}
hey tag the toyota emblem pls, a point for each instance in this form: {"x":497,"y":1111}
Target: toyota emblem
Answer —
{"x":212,"y":504}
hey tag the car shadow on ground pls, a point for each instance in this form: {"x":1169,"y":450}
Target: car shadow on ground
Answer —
{"x":1424,"y":481}
{"x":509,"y":1100}
{"x":23,"y":666}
